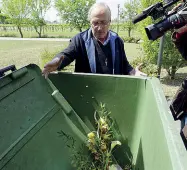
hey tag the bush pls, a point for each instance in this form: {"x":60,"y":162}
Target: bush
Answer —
{"x":64,"y":36}
{"x":47,"y":56}
{"x":131,"y":39}
{"x":146,"y":66}
{"x":53,"y":36}
{"x":8,"y":35}
{"x":172,"y":59}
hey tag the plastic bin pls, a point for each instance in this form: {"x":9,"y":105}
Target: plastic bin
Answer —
{"x":33,"y":112}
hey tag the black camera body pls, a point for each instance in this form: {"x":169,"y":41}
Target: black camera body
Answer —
{"x":176,"y":19}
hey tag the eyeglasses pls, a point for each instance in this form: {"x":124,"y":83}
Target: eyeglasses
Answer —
{"x":100,"y":23}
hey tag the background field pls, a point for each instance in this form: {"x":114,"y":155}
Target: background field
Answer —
{"x":22,"y":52}
{"x":66,"y":33}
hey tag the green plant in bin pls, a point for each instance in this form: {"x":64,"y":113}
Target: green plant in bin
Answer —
{"x":96,"y":152}
{"x":100,"y":143}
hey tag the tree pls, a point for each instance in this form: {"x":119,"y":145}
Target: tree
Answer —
{"x":39,"y":9}
{"x":3,"y":18}
{"x":74,"y":12}
{"x":128,"y":13}
{"x":18,"y":11}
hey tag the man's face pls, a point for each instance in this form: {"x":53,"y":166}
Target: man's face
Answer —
{"x":100,"y":23}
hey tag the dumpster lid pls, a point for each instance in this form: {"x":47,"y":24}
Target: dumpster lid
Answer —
{"x":25,"y":100}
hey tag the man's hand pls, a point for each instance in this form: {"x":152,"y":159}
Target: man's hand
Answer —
{"x":178,"y":33}
{"x":137,"y":72}
{"x":51,"y":66}
{"x":175,"y":8}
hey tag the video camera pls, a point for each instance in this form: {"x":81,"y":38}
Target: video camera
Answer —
{"x":176,"y":19}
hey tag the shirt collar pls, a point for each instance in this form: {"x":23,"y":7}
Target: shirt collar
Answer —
{"x":108,"y":39}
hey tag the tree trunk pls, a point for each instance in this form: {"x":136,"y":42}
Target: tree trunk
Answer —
{"x":20,"y":31}
{"x":173,"y":71}
{"x":129,"y":32}
{"x":4,"y":29}
{"x":80,"y":28}
{"x":38,"y":32}
{"x":40,"y":35}
{"x":43,"y":28}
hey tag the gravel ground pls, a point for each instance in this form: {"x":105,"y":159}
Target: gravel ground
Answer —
{"x":171,"y":86}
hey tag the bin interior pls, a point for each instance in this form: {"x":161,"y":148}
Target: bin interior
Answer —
{"x":31,"y":119}
{"x":132,"y":104}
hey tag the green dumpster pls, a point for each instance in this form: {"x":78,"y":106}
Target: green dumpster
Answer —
{"x":34,"y":111}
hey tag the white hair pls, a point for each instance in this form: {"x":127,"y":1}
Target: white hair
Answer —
{"x":96,"y":5}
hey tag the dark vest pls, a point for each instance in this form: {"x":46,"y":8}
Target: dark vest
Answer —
{"x":103,"y":57}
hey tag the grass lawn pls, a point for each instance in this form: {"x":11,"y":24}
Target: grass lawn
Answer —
{"x":133,"y":50}
{"x":22,"y":53}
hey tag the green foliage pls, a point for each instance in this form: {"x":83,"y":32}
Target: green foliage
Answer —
{"x":97,"y":151}
{"x":74,"y":12}
{"x":128,"y":13}
{"x":131,"y":39}
{"x":17,"y":10}
{"x":3,"y":18}
{"x":48,"y":36}
{"x":47,"y":56}
{"x":39,"y":9}
{"x":8,"y":35}
{"x":113,"y":27}
{"x":172,"y":59}
{"x":146,"y":66}
{"x":150,"y":47}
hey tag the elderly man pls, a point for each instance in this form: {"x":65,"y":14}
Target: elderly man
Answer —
{"x":96,"y":50}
